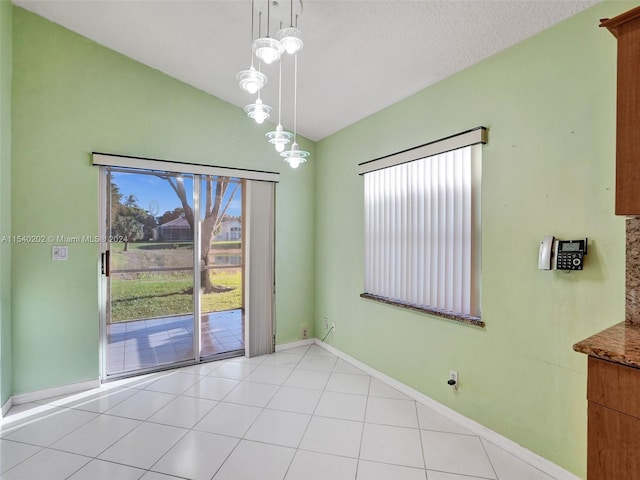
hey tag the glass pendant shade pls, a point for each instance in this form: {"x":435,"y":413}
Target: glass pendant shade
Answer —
{"x":295,"y":156}
{"x":279,"y":138}
{"x":258,"y":111}
{"x":291,"y":40}
{"x":251,"y":80}
{"x":268,"y":49}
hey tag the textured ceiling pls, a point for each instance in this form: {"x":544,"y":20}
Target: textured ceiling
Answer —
{"x":360,"y":56}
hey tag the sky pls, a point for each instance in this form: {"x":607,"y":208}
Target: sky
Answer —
{"x":156,"y":196}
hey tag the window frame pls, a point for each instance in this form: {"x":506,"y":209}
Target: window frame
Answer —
{"x":474,"y":138}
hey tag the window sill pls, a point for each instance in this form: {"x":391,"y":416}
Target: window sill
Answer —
{"x":468,"y":319}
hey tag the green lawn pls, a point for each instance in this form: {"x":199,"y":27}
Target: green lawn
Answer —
{"x":151,"y":295}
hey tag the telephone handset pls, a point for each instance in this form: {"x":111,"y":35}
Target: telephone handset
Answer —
{"x":546,"y":253}
{"x":561,"y":254}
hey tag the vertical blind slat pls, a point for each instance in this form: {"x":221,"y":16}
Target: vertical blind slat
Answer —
{"x":419,"y":219}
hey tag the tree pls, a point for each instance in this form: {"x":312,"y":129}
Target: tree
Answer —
{"x":129,"y":221}
{"x":130,"y":201}
{"x":216,"y":205}
{"x":170,"y":215}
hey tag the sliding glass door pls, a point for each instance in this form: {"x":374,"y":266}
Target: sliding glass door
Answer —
{"x":222,"y":317}
{"x":168,"y":235}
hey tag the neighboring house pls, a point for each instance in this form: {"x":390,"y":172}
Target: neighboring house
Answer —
{"x":230,"y":230}
{"x":177,"y":230}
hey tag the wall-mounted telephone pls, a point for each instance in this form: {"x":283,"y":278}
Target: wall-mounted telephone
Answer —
{"x":558,"y":254}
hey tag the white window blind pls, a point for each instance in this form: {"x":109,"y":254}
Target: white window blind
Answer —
{"x":421,"y":232}
{"x":260,"y":268}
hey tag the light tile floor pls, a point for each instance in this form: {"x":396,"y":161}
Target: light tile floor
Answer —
{"x":301,"y":414}
{"x":160,"y":341}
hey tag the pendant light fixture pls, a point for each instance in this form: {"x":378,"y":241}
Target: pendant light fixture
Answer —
{"x":267,"y":49}
{"x":295,"y":156}
{"x":290,"y":37}
{"x":258,"y":111}
{"x":279,"y":138}
{"x":251,"y":80}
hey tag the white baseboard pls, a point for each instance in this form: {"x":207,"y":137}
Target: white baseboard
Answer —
{"x":299,"y":343}
{"x":495,"y":438}
{"x":5,"y":408}
{"x":54,"y":392}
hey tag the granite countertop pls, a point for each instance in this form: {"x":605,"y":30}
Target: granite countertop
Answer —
{"x":620,"y":344}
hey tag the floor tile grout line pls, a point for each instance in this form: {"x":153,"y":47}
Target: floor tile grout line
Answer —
{"x":484,"y":449}
{"x":364,"y":419}
{"x":27,"y":458}
{"x":279,"y":388}
{"x":251,"y":425}
{"x":424,"y":459}
{"x":484,"y":440}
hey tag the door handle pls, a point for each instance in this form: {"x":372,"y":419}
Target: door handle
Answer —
{"x":106,"y":263}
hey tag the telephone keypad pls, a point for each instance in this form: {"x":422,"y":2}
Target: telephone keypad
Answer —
{"x":569,"y":261}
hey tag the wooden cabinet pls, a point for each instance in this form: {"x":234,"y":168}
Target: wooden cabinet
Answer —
{"x":613,"y":451}
{"x":626,"y":28}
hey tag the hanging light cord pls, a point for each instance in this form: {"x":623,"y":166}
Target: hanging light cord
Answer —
{"x":252,"y":27}
{"x":251,"y":41}
{"x":295,"y":97}
{"x":268,"y":15}
{"x":291,"y":19}
{"x":280,"y":96}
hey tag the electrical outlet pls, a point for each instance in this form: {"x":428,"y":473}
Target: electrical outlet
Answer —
{"x":304,"y":333}
{"x":325,"y":322}
{"x":453,"y":379}
{"x":333,"y":326}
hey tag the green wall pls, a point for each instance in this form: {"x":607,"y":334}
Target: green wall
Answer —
{"x":6,"y":13}
{"x":549,"y":104}
{"x":548,"y":168}
{"x":71,"y":97}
